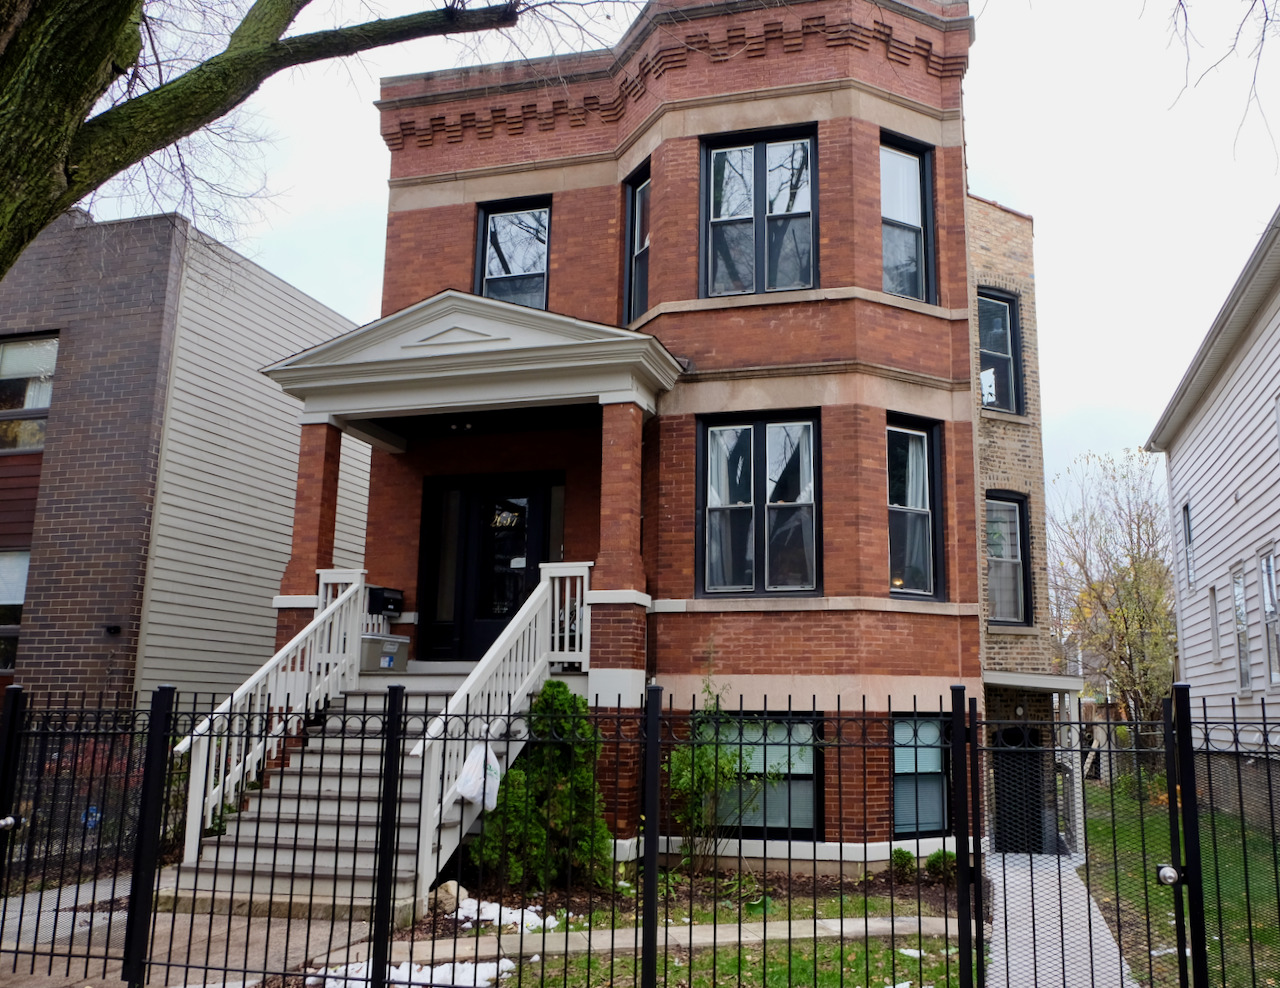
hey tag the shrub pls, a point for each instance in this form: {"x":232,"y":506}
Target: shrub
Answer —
{"x":548,"y":826}
{"x":941,"y":866}
{"x":903,"y":865}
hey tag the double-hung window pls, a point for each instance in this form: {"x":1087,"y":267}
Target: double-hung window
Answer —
{"x":1242,"y":628}
{"x":759,"y":506}
{"x":513,"y":254}
{"x":906,"y":233}
{"x":638,"y":248}
{"x":919,"y":777}
{"x":760,"y":216}
{"x":1270,"y":615}
{"x":1007,"y":570}
{"x":13,"y":592}
{"x":1188,"y":546}
{"x":777,"y":797}
{"x":26,"y":385}
{"x":998,"y":351}
{"x":913,"y":562}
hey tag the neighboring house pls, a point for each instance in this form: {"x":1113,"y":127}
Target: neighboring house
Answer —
{"x":712,"y":315}
{"x":1219,"y":434}
{"x":147,"y":469}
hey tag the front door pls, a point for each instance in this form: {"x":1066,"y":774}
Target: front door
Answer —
{"x":483,"y":540}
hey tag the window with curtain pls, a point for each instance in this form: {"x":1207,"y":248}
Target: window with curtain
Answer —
{"x":760,"y":217}
{"x":1006,"y":561}
{"x":911,"y":516}
{"x":26,"y":386}
{"x":13,"y":593}
{"x":513,"y":255}
{"x":638,"y":248}
{"x":904,"y":219}
{"x":759,"y":507}
{"x":919,"y":777}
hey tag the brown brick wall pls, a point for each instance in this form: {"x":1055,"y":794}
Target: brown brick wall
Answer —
{"x":109,"y":291}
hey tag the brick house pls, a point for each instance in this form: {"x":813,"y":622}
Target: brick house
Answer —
{"x":711,"y":316}
{"x":146,"y":468}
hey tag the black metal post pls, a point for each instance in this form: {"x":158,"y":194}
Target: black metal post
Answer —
{"x":1192,"y":873}
{"x":11,"y":716}
{"x":975,"y":790}
{"x":960,"y":809}
{"x":649,"y":832}
{"x":385,"y":869}
{"x":142,"y":889}
{"x":1175,"y":837}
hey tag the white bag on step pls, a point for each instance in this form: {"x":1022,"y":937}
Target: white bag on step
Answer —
{"x":480,"y":776}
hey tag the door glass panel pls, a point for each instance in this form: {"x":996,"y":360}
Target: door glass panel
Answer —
{"x":447,"y":570}
{"x":503,"y":566}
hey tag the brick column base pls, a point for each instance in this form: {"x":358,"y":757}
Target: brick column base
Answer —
{"x":289,"y":621}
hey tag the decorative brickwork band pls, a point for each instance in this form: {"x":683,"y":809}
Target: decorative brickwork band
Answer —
{"x":773,"y":37}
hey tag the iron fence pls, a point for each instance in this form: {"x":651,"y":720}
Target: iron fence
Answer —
{"x":686,"y":843}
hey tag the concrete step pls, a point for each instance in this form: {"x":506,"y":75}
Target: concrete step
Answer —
{"x":277,"y":805}
{"x":352,"y":857}
{"x":249,"y":828}
{"x":331,"y":756}
{"x":316,"y":779}
{"x":318,"y":884}
{"x":203,"y":903}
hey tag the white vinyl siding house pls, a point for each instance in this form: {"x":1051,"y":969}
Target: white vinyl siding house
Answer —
{"x":1223,"y":454}
{"x":223,"y":513}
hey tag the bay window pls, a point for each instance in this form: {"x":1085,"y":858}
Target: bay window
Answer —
{"x":913,"y":539}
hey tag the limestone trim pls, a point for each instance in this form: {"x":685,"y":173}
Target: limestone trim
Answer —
{"x":1013,"y":629}
{"x":805,"y":295}
{"x":636,"y":597}
{"x":300,"y":600}
{"x":1039,"y":681}
{"x":881,"y":693}
{"x":1013,"y":418}
{"x":705,"y":605}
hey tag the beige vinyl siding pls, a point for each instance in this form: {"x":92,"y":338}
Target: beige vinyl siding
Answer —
{"x":1225,"y":462}
{"x":224,"y":500}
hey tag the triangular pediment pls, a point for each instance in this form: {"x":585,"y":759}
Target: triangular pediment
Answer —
{"x":453,"y":324}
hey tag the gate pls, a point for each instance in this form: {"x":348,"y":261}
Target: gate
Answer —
{"x":1119,"y":853}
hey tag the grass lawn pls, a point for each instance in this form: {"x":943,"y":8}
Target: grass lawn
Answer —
{"x":823,"y":965}
{"x":1128,"y":838}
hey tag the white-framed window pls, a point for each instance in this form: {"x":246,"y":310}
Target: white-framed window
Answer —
{"x":999,"y":351}
{"x":513,"y":254}
{"x":760,"y":216}
{"x":912,"y":496}
{"x":1241,"y":617}
{"x":905,"y":208}
{"x":759,"y":506}
{"x":26,"y":386}
{"x":1188,"y":544}
{"x":1006,"y":560}
{"x":1215,"y":636}
{"x":1270,"y":615}
{"x":14,"y":565}
{"x":919,"y":777}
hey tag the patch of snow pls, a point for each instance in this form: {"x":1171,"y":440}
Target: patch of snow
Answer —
{"x":409,"y":974}
{"x":491,"y":912}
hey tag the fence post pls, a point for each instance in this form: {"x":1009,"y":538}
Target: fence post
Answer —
{"x":15,"y":705}
{"x":388,"y":818}
{"x":649,"y":832}
{"x":975,"y":791}
{"x":960,"y":807}
{"x":1192,"y":872}
{"x":151,"y":801}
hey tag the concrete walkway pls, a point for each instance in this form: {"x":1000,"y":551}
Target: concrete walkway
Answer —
{"x":1047,"y":931}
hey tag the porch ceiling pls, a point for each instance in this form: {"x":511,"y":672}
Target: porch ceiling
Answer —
{"x":461,"y":352}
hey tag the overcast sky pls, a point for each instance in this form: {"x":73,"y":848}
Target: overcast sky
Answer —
{"x":1148,"y":194}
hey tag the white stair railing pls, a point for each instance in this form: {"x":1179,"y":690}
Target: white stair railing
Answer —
{"x":553,"y":625}
{"x":229,"y":748}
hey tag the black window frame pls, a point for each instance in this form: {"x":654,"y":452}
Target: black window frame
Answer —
{"x":758,"y":141}
{"x":1017,"y":406}
{"x":759,"y":421}
{"x":944,"y":773}
{"x":503,"y":207}
{"x":932,"y":430}
{"x":928,"y":249}
{"x":814,"y":720}
{"x":635,"y":288}
{"x":1020,"y":500}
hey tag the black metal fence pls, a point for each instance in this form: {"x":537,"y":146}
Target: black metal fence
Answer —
{"x":702,"y":846}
